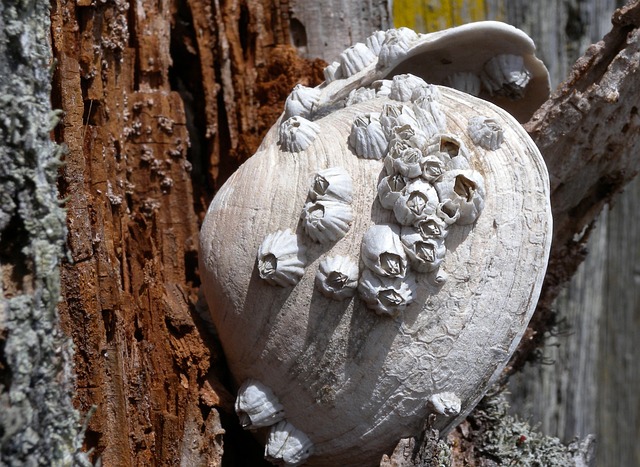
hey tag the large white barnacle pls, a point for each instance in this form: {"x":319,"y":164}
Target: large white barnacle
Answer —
{"x":355,"y":58}
{"x":403,"y":86}
{"x":367,"y":138}
{"x":445,"y":403}
{"x":425,"y":254}
{"x":257,"y":406}
{"x":280,"y":259}
{"x":386,"y":295}
{"x":390,"y":188}
{"x":332,"y":72}
{"x":382,"y":251}
{"x":464,"y":81}
{"x":396,"y":115}
{"x":395,"y":45}
{"x":301,"y":102}
{"x":426,"y":106}
{"x":465,"y":190}
{"x":505,"y":75}
{"x":360,"y":95}
{"x":337,"y":277}
{"x":375,"y":41}
{"x":418,"y":201}
{"x":326,"y":221}
{"x":333,"y":183}
{"x":287,"y":446}
{"x":485,"y":132}
{"x":297,"y":133}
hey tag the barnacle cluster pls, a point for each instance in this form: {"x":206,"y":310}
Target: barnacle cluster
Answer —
{"x":258,"y":407}
{"x":428,"y":183}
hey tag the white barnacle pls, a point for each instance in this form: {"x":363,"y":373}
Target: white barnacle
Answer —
{"x":464,"y":81}
{"x":325,"y":220}
{"x":395,"y":115}
{"x":332,"y":72}
{"x":375,"y":41}
{"x":433,"y":227}
{"x":257,"y":406}
{"x":301,"y":102}
{"x":426,"y":106}
{"x":287,"y":446}
{"x":280,"y":259}
{"x":333,"y":183}
{"x":445,"y":403}
{"x":367,"y":138}
{"x":395,"y":45}
{"x":403,"y":86}
{"x":465,"y":191}
{"x":354,"y":59}
{"x":382,"y":251}
{"x":505,"y":75}
{"x":386,"y":295}
{"x":434,"y":166}
{"x":485,"y":132}
{"x":297,"y":133}
{"x":360,"y":95}
{"x":390,"y":188}
{"x":418,"y":201}
{"x":425,"y":254}
{"x":337,"y":277}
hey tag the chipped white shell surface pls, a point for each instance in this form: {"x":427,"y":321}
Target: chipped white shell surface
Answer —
{"x":353,"y":381}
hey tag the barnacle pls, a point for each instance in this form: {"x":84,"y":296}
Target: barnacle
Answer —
{"x":395,"y":115}
{"x":505,"y":75}
{"x":445,"y":403}
{"x":326,"y":221}
{"x":280,"y":259}
{"x":297,"y":133}
{"x":382,"y":251}
{"x":390,"y":188}
{"x":355,"y":58}
{"x":360,"y":95}
{"x":485,"y":132}
{"x":386,"y":295}
{"x":333,"y":183}
{"x":367,"y":139}
{"x":403,"y":86}
{"x":375,"y":41}
{"x":418,"y":201}
{"x":403,"y":158}
{"x":395,"y":45}
{"x":287,"y":446}
{"x":426,"y":106}
{"x":337,"y":277}
{"x":301,"y":102}
{"x":465,"y":190}
{"x":432,"y":226}
{"x":464,"y":81}
{"x":425,"y":254}
{"x":332,"y":72}
{"x":257,"y":406}
{"x":434,"y":165}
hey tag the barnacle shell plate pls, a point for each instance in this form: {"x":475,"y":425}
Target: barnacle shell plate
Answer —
{"x":352,"y":381}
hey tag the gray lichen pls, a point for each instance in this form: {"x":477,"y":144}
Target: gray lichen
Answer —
{"x":39,"y":425}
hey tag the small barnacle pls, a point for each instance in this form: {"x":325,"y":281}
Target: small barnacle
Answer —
{"x":257,"y":406}
{"x":332,"y":72}
{"x":337,"y":277}
{"x":464,"y":81}
{"x":452,"y":146}
{"x":448,"y":211}
{"x":333,"y":183}
{"x":395,"y":115}
{"x":485,"y":132}
{"x":432,"y":227}
{"x":395,"y":45}
{"x":427,"y":110}
{"x":280,"y":259}
{"x":465,"y":190}
{"x":354,"y":59}
{"x":418,"y":201}
{"x":382,"y":251}
{"x":505,"y":75}
{"x":301,"y":102}
{"x":445,"y":403}
{"x":434,"y":165}
{"x":403,"y":86}
{"x":297,"y":133}
{"x":326,"y":220}
{"x":425,"y":254}
{"x":287,"y":446}
{"x":367,"y":138}
{"x":390,"y":188}
{"x":386,"y":295}
{"x":360,"y":95}
{"x":375,"y":41}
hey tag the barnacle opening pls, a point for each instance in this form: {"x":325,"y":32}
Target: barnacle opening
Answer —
{"x":267,"y":265}
{"x":397,"y":183}
{"x":464,"y":187}
{"x":390,"y":298}
{"x":320,"y":185}
{"x":450,"y":147}
{"x":337,"y":280}
{"x":426,"y":252}
{"x":449,"y":208}
{"x":316,"y":212}
{"x":391,"y":264}
{"x":417,"y":202}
